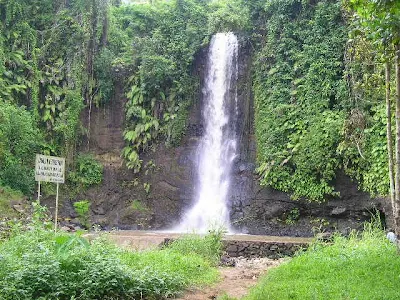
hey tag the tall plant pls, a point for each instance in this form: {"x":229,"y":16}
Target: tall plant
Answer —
{"x":380,"y":20}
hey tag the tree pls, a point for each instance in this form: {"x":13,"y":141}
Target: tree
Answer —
{"x":380,"y":20}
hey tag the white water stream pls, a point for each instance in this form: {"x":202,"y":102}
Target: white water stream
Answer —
{"x":217,"y":148}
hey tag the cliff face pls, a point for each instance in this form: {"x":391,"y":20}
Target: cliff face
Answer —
{"x":158,"y":196}
{"x":262,"y":210}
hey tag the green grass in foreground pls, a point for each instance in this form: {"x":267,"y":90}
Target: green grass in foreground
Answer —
{"x":39,"y":264}
{"x":364,"y":266}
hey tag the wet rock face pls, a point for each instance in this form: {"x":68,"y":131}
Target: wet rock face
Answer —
{"x":161,"y":193}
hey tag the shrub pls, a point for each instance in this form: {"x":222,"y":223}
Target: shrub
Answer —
{"x":19,"y":140}
{"x":209,"y":246}
{"x":82,"y":209}
{"x":39,"y":264}
{"x":88,"y":171}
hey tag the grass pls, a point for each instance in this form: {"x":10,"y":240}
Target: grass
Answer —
{"x":8,"y":215}
{"x":363,"y":266}
{"x":189,"y":269}
{"x":6,"y":196}
{"x":38,"y":264}
{"x":209,"y":247}
{"x":139,"y":206}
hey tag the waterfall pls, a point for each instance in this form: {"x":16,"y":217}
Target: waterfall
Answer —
{"x":217,"y":148}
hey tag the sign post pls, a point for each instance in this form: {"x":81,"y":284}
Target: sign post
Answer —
{"x":38,"y":192}
{"x":56,"y":213}
{"x":50,"y":169}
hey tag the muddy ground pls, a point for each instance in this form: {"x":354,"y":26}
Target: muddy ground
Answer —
{"x":235,"y":281}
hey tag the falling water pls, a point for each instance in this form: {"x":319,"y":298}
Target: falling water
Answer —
{"x":217,"y":148}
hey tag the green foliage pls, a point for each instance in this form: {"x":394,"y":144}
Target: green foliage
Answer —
{"x":299,"y":91}
{"x":138,"y":206}
{"x":67,"y":124}
{"x":46,"y":67}
{"x":371,"y":170}
{"x":19,"y":140}
{"x":82,"y":209}
{"x":41,"y":265}
{"x":88,"y":171}
{"x":209,"y":246}
{"x":172,"y":272}
{"x":364,"y":145}
{"x":292,"y":216}
{"x":7,"y":213}
{"x":103,"y":70}
{"x":317,"y":94}
{"x":166,"y":37}
{"x":228,"y":16}
{"x":345,"y":269}
{"x":380,"y":20}
{"x":144,"y":130}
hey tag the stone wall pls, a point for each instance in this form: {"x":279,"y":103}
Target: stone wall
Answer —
{"x":262,"y":249}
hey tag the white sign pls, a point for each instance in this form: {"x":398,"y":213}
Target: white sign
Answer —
{"x":49,"y":168}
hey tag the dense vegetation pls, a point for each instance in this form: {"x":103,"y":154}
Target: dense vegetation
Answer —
{"x":58,"y":60}
{"x":38,"y":264}
{"x":300,"y":95}
{"x":319,"y":96}
{"x":47,"y":50}
{"x":319,"y":91}
{"x":320,"y":99}
{"x":359,"y":267}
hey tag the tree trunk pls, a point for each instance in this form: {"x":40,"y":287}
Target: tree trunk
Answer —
{"x":91,"y":51}
{"x":389,"y":140}
{"x":104,"y":33}
{"x":397,"y":178}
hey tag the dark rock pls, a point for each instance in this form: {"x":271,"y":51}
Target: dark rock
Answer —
{"x":274,"y":248}
{"x":227,"y":261}
{"x":66,"y":229}
{"x":324,"y":236}
{"x":337,"y":211}
{"x":19,"y":208}
{"x":99,"y":211}
{"x":168,"y":187}
{"x":232,"y":248}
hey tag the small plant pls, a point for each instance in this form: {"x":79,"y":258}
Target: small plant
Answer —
{"x":65,"y":243}
{"x":292,"y":216}
{"x":139,"y":206}
{"x":146,"y":187}
{"x":82,"y":209}
{"x":319,"y":224}
{"x":149,"y":167}
{"x":40,"y":216}
{"x":131,"y":183}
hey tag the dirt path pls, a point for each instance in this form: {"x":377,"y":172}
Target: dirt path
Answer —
{"x":235,"y":281}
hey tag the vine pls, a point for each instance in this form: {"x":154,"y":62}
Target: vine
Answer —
{"x":299,"y":93}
